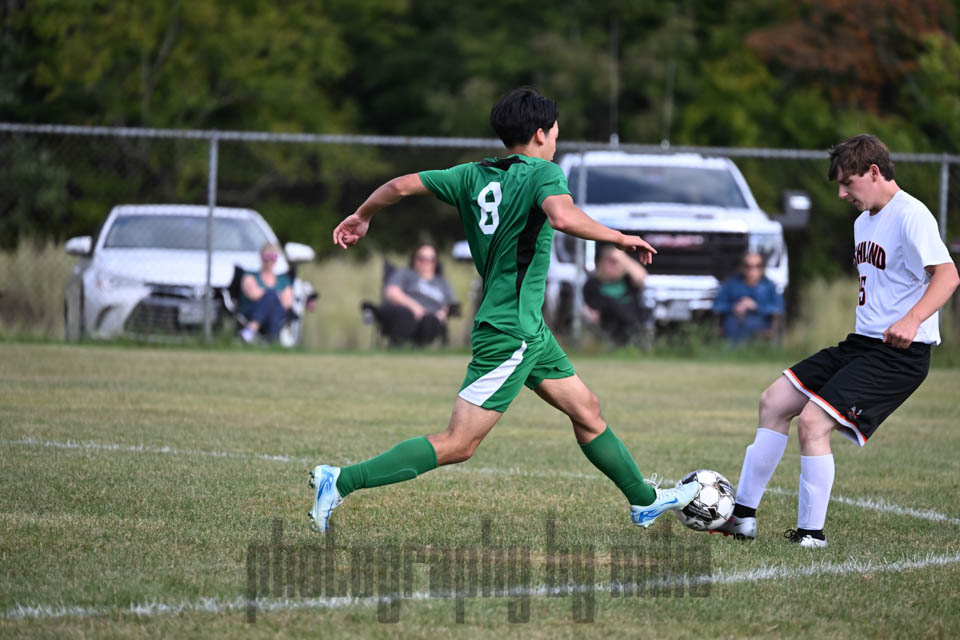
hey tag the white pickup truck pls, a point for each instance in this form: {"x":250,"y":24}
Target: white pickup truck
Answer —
{"x":698,"y":212}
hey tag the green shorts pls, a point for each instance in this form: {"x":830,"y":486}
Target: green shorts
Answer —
{"x":502,"y":364}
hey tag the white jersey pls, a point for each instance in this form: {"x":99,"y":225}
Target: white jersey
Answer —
{"x":891,"y":249}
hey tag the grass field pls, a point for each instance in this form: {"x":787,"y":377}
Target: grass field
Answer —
{"x":134,"y":481}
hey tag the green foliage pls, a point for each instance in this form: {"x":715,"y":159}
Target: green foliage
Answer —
{"x":739,"y":73}
{"x":35,"y":183}
{"x":933,"y":93}
{"x":254,"y":65}
{"x":735,"y":103}
{"x":769,"y":74}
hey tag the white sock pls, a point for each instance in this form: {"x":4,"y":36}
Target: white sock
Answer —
{"x":816,"y":481}
{"x":759,"y":463}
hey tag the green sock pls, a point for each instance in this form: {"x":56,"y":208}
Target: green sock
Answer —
{"x":405,"y":461}
{"x":608,"y":454}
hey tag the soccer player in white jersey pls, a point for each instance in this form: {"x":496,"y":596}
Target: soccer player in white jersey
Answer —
{"x":906,"y":275}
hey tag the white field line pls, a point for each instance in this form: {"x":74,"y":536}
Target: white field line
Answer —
{"x":236,"y":455}
{"x":879,"y":504}
{"x":142,"y":448}
{"x":219,"y":605}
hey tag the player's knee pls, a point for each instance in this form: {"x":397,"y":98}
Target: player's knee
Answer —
{"x":768,"y":399}
{"x":452,"y":448}
{"x":589,"y":411}
{"x":463,"y":451}
{"x":812,"y":427}
{"x":775,"y":405}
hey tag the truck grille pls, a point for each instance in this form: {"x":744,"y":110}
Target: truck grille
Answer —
{"x":695,"y":254}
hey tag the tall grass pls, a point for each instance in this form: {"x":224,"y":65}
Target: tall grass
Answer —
{"x":32,"y":281}
{"x":344,"y":283}
{"x":823,"y":315}
{"x":33,"y":277}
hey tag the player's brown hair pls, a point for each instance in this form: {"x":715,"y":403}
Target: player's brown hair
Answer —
{"x":854,"y":156}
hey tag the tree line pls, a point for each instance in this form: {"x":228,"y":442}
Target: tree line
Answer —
{"x":765,"y":73}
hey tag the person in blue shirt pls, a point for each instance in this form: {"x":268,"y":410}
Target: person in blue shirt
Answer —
{"x":747,"y":302}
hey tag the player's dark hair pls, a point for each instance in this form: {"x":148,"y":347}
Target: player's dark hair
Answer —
{"x":518,"y":115}
{"x":854,"y":156}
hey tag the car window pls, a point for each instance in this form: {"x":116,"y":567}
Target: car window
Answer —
{"x":684,"y":185}
{"x":183,"y":232}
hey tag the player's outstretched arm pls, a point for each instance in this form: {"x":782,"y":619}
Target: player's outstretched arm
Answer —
{"x":943,"y":282}
{"x":565,"y":216}
{"x":355,"y":226}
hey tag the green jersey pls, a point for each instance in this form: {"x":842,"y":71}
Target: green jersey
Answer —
{"x":500,"y":200}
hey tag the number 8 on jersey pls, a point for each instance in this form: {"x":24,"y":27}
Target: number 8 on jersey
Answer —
{"x":490,"y":208}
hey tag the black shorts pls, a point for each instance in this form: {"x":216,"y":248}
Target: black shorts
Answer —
{"x":861,"y":381}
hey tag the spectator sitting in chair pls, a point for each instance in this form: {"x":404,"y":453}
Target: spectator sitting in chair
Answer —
{"x":265,"y":297}
{"x":613,"y":295}
{"x":748,"y":302}
{"x":417,"y":300}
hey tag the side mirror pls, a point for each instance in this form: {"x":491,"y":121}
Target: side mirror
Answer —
{"x":796,"y":210}
{"x":297,"y":252}
{"x":79,"y":246}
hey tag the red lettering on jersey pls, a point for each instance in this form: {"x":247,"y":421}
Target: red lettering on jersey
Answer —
{"x":871,"y":253}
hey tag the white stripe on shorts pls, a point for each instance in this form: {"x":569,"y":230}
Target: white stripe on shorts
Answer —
{"x":486,"y":385}
{"x":848,"y":430}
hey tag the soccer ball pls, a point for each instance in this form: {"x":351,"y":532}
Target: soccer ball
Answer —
{"x":713,"y":505}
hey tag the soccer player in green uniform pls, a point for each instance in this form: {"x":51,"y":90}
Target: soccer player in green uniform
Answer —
{"x":510,"y":207}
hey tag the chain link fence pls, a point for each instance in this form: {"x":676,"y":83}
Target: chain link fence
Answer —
{"x":60,"y":182}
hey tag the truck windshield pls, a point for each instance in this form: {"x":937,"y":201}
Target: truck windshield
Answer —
{"x":681,"y":185}
{"x":183,"y":232}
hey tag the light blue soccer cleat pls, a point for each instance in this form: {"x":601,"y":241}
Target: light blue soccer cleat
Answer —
{"x":666,"y":500}
{"x":323,"y":480}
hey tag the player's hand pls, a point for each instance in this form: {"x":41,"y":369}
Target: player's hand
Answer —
{"x":638,"y":244}
{"x":902,"y":332}
{"x":350,"y":231}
